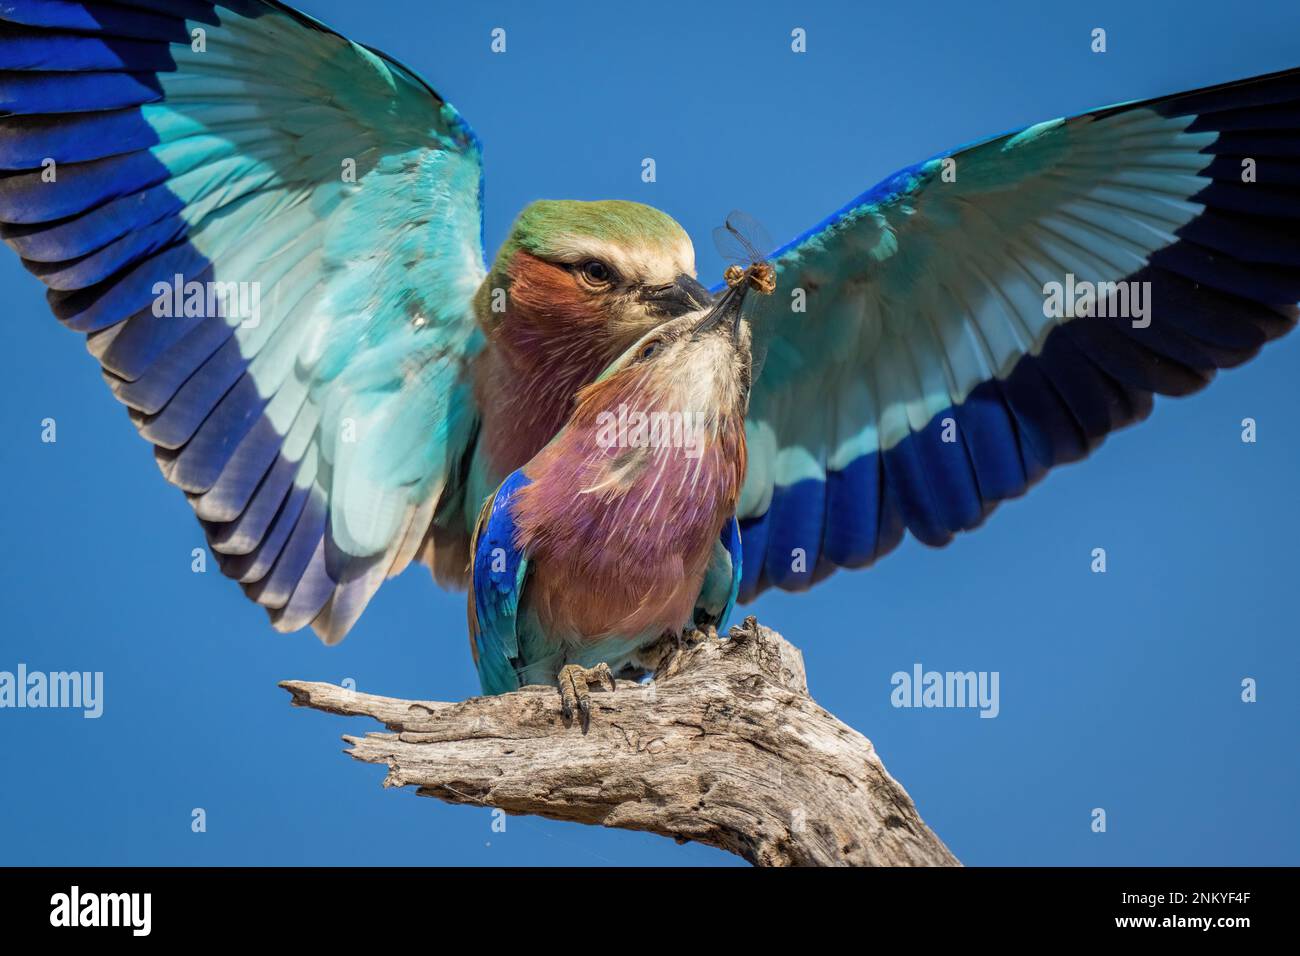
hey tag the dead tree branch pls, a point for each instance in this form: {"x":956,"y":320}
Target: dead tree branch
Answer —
{"x":724,"y":747}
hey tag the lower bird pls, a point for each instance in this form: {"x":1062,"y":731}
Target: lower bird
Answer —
{"x":643,"y":517}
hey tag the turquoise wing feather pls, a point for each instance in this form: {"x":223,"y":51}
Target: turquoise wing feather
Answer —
{"x":271,"y":237}
{"x":931,"y":377}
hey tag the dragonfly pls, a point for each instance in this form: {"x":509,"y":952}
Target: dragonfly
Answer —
{"x":740,"y":239}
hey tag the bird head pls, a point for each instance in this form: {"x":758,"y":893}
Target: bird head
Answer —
{"x":698,"y":363}
{"x":595,"y":276}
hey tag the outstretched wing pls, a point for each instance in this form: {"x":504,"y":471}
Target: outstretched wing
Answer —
{"x":928,"y":380}
{"x":498,"y":576}
{"x":271,"y":237}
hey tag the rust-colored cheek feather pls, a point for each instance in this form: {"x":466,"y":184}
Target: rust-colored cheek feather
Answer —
{"x":550,"y":295}
{"x":553,"y":338}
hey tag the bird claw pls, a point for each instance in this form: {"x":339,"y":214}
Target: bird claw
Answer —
{"x":574,"y":680}
{"x":699,"y":635}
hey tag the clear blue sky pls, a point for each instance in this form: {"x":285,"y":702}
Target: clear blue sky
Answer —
{"x":1118,"y":691}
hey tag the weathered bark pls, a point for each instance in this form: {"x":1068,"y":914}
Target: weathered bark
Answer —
{"x":724,"y":747}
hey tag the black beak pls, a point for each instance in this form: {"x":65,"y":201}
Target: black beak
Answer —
{"x":728,"y":308}
{"x":679,"y":297}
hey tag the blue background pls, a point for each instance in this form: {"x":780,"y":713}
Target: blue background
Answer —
{"x":1119,"y":691}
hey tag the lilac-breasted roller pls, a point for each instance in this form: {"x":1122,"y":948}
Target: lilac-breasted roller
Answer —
{"x":622,"y":529}
{"x":271,"y":238}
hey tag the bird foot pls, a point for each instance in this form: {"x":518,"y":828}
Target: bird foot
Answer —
{"x":574,"y":680}
{"x":696,"y":635}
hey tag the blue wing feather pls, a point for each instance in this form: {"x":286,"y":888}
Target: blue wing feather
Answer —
{"x":927,"y":383}
{"x":721,"y":579}
{"x":318,"y":439}
{"x":497,"y":585}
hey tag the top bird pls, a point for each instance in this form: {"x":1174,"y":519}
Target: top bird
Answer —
{"x":271,"y":237}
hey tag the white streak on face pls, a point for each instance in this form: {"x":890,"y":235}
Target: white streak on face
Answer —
{"x":649,"y":263}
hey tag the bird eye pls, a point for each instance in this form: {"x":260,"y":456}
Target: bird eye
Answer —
{"x":596,"y":272}
{"x":649,"y":349}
